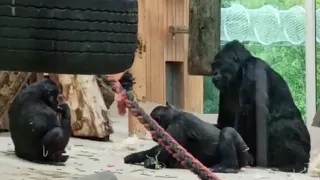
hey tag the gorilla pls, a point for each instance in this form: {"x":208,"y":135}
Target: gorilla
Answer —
{"x":36,"y":132}
{"x":224,"y":151}
{"x":256,"y":101}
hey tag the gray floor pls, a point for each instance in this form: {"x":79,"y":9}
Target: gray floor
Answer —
{"x":89,"y":157}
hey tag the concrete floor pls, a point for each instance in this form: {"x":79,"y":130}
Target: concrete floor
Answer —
{"x":89,"y":157}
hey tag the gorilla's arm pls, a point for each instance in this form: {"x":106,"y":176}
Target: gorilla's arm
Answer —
{"x":225,"y":118}
{"x":254,"y":91}
{"x":41,"y":122}
{"x":176,"y":131}
{"x":65,"y":122}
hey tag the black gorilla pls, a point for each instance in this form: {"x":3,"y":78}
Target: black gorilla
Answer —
{"x":224,"y":151}
{"x":35,"y":131}
{"x":252,"y":92}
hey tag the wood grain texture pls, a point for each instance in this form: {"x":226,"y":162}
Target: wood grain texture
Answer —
{"x":155,"y":51}
{"x":139,"y":72}
{"x":10,"y":84}
{"x":162,"y":48}
{"x":204,"y":31}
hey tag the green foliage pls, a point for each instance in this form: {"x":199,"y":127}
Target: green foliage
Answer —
{"x":288,"y":60}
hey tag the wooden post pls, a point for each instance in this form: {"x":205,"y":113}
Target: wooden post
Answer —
{"x":204,"y":35}
{"x":138,"y":71}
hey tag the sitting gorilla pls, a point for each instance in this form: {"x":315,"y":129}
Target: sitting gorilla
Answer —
{"x":252,"y":92}
{"x":224,"y":151}
{"x":34,"y":126}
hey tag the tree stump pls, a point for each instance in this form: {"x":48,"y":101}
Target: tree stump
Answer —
{"x":89,"y":116}
{"x":10,"y":84}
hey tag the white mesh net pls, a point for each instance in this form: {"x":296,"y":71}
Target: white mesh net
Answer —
{"x":265,"y":25}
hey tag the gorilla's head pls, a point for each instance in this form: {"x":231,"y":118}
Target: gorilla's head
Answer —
{"x":49,"y":91}
{"x":164,"y":114}
{"x":227,"y":63}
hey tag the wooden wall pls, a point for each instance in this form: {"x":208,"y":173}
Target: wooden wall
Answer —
{"x":161,"y":48}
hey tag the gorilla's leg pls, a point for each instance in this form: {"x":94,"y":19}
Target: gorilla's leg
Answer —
{"x":56,"y":140}
{"x":233,"y":152}
{"x":299,"y":159}
{"x":289,"y":146}
{"x":54,"y":145}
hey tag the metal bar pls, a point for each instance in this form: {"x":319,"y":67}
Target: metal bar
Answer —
{"x":310,"y":58}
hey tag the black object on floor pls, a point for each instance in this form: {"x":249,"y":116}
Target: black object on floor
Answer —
{"x":74,"y":36}
{"x":106,"y":175}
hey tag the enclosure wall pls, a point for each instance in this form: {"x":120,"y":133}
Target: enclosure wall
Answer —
{"x":161,"y":49}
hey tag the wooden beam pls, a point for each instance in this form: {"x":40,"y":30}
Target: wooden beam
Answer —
{"x":138,"y":71}
{"x":173,"y":30}
{"x":204,"y":35}
{"x":178,"y":30}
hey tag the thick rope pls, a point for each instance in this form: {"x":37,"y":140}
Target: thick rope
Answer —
{"x":163,"y":138}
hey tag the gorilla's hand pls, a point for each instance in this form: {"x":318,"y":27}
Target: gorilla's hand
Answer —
{"x":150,"y":163}
{"x":134,"y":158}
{"x":247,"y":159}
{"x":64,"y":110}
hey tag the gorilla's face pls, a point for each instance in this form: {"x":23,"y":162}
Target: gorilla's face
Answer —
{"x":223,"y":71}
{"x":162,"y":115}
{"x":227,"y":63}
{"x":51,"y":98}
{"x":50,"y":93}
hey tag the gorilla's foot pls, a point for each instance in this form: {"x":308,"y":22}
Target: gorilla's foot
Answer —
{"x":62,"y":158}
{"x":246,"y":159}
{"x":134,"y":158}
{"x":59,"y":157}
{"x":222,"y":169}
{"x":292,"y":168}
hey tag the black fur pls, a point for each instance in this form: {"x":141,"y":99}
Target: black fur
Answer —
{"x":127,"y":81}
{"x":224,"y":151}
{"x":35,"y":131}
{"x":250,"y":91}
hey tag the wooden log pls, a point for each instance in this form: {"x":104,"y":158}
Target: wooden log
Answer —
{"x":89,"y":116}
{"x":138,"y":71}
{"x":204,"y":35}
{"x":10,"y":85}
